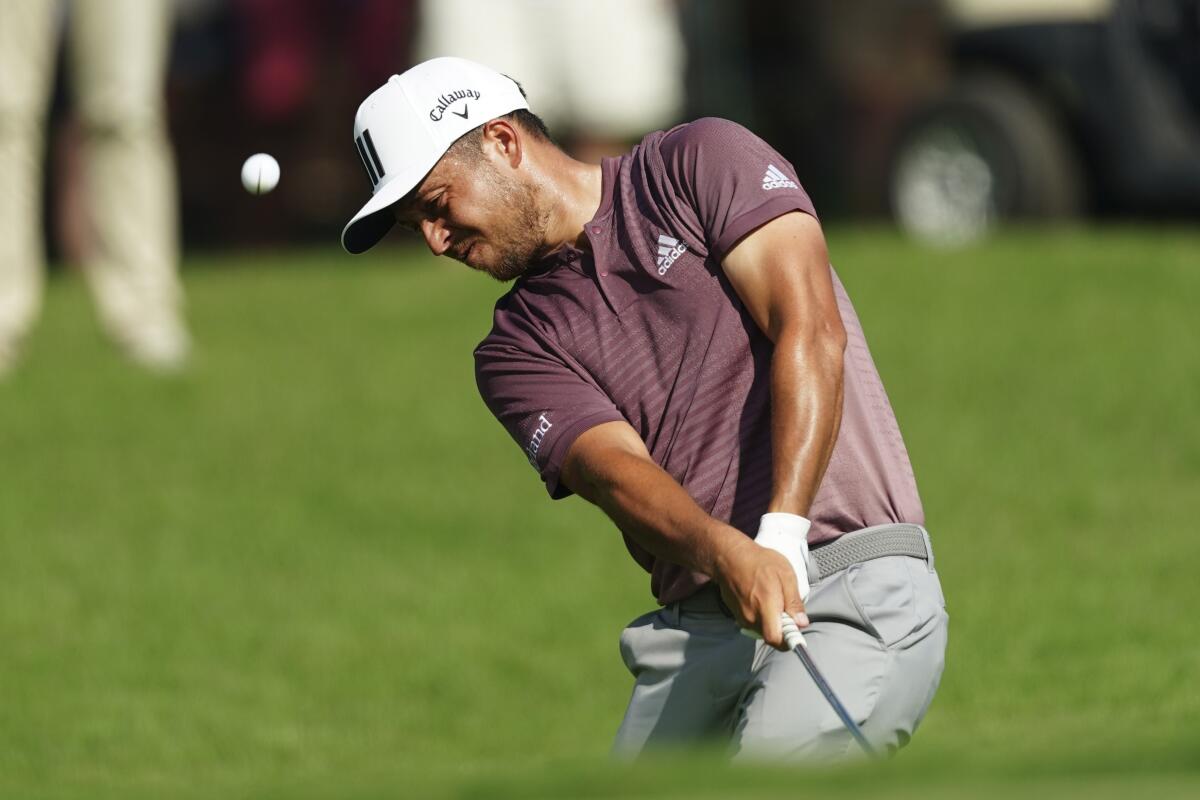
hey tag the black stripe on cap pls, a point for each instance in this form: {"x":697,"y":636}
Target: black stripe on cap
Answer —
{"x":374,"y":155}
{"x":362,"y":153}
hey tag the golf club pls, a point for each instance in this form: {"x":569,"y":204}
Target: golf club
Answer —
{"x":795,"y":640}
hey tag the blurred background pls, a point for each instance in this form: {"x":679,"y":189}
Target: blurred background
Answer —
{"x":944,"y":115}
{"x":295,"y":556}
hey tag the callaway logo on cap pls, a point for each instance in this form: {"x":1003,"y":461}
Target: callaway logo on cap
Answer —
{"x":406,"y":125}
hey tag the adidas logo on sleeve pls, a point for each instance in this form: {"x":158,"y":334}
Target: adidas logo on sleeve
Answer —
{"x":669,"y":249}
{"x":774,"y":179}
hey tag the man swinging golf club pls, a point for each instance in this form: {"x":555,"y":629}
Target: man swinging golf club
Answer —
{"x":677,"y":349}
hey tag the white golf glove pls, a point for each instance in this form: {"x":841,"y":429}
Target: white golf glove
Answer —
{"x":788,"y":534}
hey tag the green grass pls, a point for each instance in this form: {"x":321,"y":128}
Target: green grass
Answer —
{"x":315,"y":566}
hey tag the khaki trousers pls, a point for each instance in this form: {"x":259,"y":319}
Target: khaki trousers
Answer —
{"x":878,"y":634}
{"x":118,"y":52}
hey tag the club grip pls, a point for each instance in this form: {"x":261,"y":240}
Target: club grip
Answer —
{"x":792,"y":636}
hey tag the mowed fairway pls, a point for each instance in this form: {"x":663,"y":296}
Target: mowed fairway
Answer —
{"x":316,"y":566}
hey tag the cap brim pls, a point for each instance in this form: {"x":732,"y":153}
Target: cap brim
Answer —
{"x":374,"y":220}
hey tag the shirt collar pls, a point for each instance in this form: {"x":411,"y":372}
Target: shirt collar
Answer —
{"x":607,"y":267}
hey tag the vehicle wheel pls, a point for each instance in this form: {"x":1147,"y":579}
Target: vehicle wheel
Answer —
{"x":988,"y":151}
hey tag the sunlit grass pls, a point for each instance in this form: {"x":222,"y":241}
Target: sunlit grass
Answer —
{"x":315,"y":565}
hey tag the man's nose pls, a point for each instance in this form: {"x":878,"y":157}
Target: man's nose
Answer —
{"x":436,"y":234}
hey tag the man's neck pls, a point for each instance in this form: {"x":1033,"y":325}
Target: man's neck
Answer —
{"x":570,"y":192}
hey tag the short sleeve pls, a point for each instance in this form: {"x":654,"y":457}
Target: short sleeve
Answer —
{"x":542,"y":400}
{"x":733,"y":180}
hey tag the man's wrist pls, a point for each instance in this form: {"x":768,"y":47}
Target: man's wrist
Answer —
{"x":784,"y":523}
{"x":727,"y":543}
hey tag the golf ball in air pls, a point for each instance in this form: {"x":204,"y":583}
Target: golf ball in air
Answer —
{"x":260,"y":173}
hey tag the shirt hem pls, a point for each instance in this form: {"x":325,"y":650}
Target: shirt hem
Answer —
{"x":754,"y":218}
{"x":563,"y":442}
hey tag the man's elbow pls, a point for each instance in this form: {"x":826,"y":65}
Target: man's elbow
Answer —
{"x":832,"y":335}
{"x":837,"y":340}
{"x":821,"y":341}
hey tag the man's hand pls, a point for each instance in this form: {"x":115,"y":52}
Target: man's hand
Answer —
{"x":757,"y":584}
{"x":788,"y":534}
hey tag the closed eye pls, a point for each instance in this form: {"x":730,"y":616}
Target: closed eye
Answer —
{"x":437,"y":206}
{"x":432,"y":208}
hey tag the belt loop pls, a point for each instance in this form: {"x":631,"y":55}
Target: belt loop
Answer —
{"x":674,"y":613}
{"x":812,"y":567}
{"x":928,"y":548}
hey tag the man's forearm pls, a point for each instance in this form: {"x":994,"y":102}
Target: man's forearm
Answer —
{"x":806,"y":413}
{"x":650,"y":506}
{"x":610,"y":466}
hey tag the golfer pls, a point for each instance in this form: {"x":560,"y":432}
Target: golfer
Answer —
{"x":677,"y":349}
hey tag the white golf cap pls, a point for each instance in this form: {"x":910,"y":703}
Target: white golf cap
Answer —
{"x":406,"y":125}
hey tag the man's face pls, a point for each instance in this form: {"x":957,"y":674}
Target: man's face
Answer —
{"x":476,"y":213}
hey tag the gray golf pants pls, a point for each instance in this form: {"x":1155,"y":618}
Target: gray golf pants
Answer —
{"x":878,"y":634}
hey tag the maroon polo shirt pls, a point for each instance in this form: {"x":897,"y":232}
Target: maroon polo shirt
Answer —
{"x":647,"y":329}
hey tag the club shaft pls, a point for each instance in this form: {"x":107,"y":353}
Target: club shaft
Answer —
{"x":839,"y":709}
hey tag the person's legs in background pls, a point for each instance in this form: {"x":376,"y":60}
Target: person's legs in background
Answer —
{"x":27,"y":45}
{"x":119,"y":52}
{"x":510,"y":36}
{"x":621,"y":64}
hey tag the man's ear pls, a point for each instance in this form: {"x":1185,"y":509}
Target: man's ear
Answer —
{"x":502,"y":140}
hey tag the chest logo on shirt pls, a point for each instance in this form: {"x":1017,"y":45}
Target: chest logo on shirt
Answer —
{"x":669,"y":249}
{"x":774,"y":179}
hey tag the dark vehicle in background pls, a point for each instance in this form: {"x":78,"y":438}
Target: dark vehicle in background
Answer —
{"x":1053,"y":110}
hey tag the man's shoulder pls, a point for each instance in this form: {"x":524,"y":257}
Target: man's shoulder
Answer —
{"x":517,"y":322}
{"x":702,"y":132}
{"x":507,"y":317}
{"x":689,"y":152}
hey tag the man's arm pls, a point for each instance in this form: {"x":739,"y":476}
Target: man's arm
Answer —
{"x":609,"y":465}
{"x":781,"y":273}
